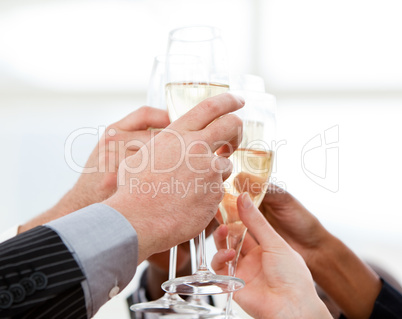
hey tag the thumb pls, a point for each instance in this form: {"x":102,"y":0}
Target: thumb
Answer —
{"x":252,"y":218}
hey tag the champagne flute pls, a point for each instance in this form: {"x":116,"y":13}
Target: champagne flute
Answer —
{"x":168,"y":303}
{"x":252,"y":167}
{"x":188,"y":83}
{"x":241,"y":83}
{"x":207,"y":43}
{"x":213,"y":312}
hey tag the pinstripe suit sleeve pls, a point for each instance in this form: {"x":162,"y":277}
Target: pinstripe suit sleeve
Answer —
{"x":36,"y":267}
{"x":106,"y":246}
{"x":67,"y":268}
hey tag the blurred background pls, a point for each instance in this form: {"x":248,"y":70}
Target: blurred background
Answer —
{"x":334,"y":66}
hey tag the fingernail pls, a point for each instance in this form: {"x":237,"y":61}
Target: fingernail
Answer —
{"x":227,"y":251}
{"x":246,"y":200}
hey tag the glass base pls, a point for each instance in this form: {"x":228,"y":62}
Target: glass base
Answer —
{"x":203,"y":283}
{"x":168,"y":304}
{"x":208,"y":316}
{"x":212,"y":311}
{"x":222,"y":315}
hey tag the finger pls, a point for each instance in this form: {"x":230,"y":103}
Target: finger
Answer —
{"x":220,"y":235}
{"x":263,"y":232}
{"x":276,"y":195}
{"x":249,"y":243}
{"x":225,"y":134}
{"x":222,"y":165}
{"x":207,"y":111}
{"x":143,"y":118}
{"x":250,"y":183}
{"x":226,"y":174}
{"x":132,"y":141}
{"x":227,"y":148}
{"x":218,"y":217}
{"x":220,"y":259}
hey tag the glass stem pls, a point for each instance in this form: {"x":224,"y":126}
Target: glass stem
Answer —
{"x":194,"y":263}
{"x":228,"y":310}
{"x":231,"y":272}
{"x":172,"y":263}
{"x":232,"y":267}
{"x":193,"y":254}
{"x":235,"y":243}
{"x":202,"y":266}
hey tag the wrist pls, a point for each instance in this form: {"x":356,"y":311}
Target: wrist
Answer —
{"x":345,"y":278}
{"x":146,"y":234}
{"x":76,"y":199}
{"x":305,"y":305}
{"x":318,"y":254}
{"x":317,"y":309}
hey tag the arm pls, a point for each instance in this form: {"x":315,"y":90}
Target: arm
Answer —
{"x":98,"y":180}
{"x":388,"y":303}
{"x":26,"y":281}
{"x":131,"y":226}
{"x":352,"y":284}
{"x":98,"y":235}
{"x":60,"y":257}
{"x":278,"y":282}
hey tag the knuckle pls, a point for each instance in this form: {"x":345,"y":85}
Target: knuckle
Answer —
{"x":110,"y":128}
{"x":111,"y":134}
{"x":198,"y":148}
{"x":223,"y":164}
{"x":144,"y":111}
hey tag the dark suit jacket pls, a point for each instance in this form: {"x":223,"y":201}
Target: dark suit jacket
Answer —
{"x":388,"y":304}
{"x":39,"y":277}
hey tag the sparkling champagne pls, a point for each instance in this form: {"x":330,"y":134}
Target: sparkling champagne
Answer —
{"x":251,"y":172}
{"x":181,"y":97}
